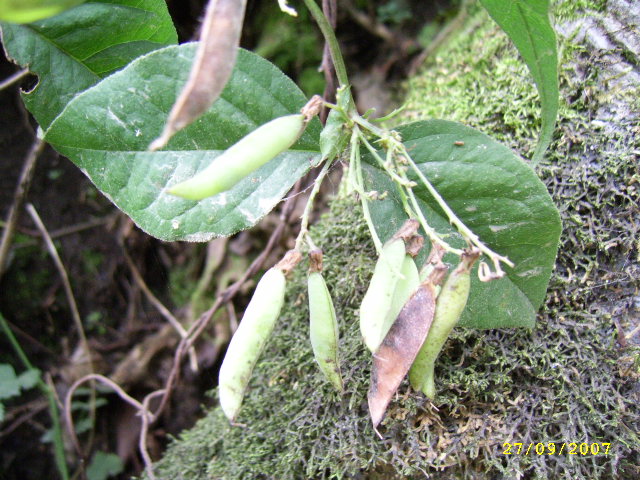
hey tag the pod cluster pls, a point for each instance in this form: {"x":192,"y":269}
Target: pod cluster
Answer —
{"x":405,"y":319}
{"x":259,"y":321}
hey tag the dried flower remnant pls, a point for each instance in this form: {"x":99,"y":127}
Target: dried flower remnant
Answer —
{"x":211,"y":69}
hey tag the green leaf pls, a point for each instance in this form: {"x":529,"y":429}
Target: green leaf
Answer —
{"x":104,"y":465}
{"x":29,"y":378}
{"x":497,"y":196}
{"x":107,"y":129}
{"x":527,"y":24}
{"x":76,"y":49}
{"x":25,"y":11}
{"x":10,"y":384}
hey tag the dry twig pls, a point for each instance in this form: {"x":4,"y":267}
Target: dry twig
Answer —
{"x":164,"y":311}
{"x":18,"y":199}
{"x":19,"y":75}
{"x":68,"y":417}
{"x":75,"y":314}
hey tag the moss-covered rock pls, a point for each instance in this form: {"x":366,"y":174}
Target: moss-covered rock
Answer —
{"x":570,"y":380}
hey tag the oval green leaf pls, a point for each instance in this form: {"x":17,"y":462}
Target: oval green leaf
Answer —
{"x":106,"y":131}
{"x":496,"y":195}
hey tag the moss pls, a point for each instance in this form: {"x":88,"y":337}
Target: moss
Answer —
{"x":558,"y":383}
{"x":565,"y":381}
{"x":484,"y":85}
{"x":563,"y":10}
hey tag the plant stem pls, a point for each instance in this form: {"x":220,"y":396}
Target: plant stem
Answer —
{"x":393,"y":144}
{"x":394,"y":176}
{"x":354,"y":163}
{"x":332,"y":41}
{"x":367,"y":125}
{"x":404,"y":183}
{"x":400,"y":182}
{"x":431,"y":233}
{"x":304,"y":224}
{"x":453,"y":218}
{"x":426,"y":384}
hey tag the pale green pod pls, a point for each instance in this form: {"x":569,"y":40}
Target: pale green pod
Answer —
{"x":323,"y":329}
{"x":249,"y":340}
{"x":242,"y":158}
{"x":27,"y":11}
{"x":449,"y":306}
{"x":379,"y":297}
{"x":407,"y":284}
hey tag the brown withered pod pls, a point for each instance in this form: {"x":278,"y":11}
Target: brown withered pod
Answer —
{"x":401,"y":345}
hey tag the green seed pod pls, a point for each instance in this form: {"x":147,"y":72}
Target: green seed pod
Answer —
{"x":243,"y":157}
{"x":449,"y":306}
{"x":405,"y":287}
{"x":379,"y":297}
{"x":323,"y":325}
{"x":27,"y":11}
{"x":377,"y":301}
{"x":250,"y":339}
